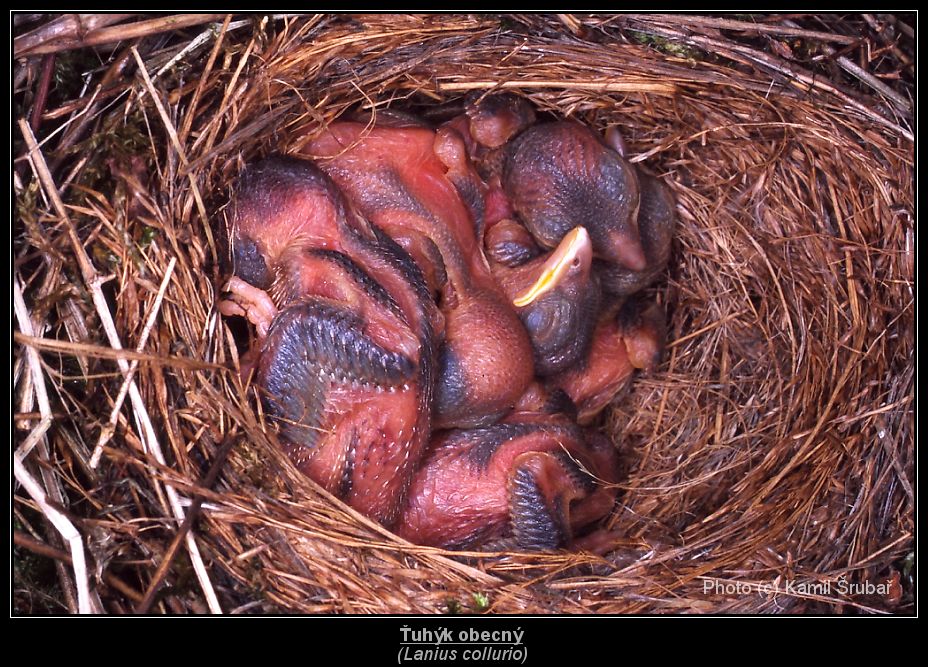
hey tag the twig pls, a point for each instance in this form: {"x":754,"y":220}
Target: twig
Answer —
{"x":107,"y":432}
{"x":20,"y":20}
{"x":708,"y":327}
{"x":111,"y":34}
{"x":31,"y":416}
{"x":889,"y":445}
{"x":101,"y":352}
{"x":25,"y":541}
{"x":181,"y":154}
{"x":571,"y":23}
{"x":208,"y":135}
{"x":63,"y":526}
{"x":93,"y":282}
{"x":36,"y":440}
{"x":628,"y":86}
{"x":62,"y":32}
{"x":204,"y":77}
{"x":81,"y":103}
{"x":683,"y":20}
{"x":873,"y":556}
{"x":191,"y":46}
{"x":193,"y":512}
{"x":807,"y":448}
{"x":400,"y":545}
{"x":880,"y":30}
{"x":73,"y":128}
{"x":35,"y":368}
{"x":77,"y":125}
{"x":901,"y":26}
{"x":41,"y":95}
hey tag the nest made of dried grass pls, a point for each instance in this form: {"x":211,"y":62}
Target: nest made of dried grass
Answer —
{"x":775,"y":444}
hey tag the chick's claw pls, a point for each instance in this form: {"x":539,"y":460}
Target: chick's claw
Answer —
{"x":250,"y":302}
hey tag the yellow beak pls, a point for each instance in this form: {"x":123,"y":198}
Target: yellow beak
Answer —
{"x":571,"y":248}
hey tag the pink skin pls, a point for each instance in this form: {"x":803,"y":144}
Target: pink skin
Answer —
{"x":509,"y":244}
{"x":488,"y":123}
{"x":448,"y":500}
{"x":495,"y":119}
{"x":593,"y":384}
{"x":497,"y":207}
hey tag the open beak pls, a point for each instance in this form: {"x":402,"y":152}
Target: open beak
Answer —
{"x":573,"y":249}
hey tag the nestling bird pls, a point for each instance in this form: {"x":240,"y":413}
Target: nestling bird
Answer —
{"x":439,"y":311}
{"x":347,"y":354}
{"x":530,"y":483}
{"x":488,"y":123}
{"x":561,"y":174}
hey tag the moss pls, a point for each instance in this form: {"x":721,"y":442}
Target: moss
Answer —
{"x":667,"y":46}
{"x":122,"y":138}
{"x":71,"y":68}
{"x":149,"y":234}
{"x":481,"y":602}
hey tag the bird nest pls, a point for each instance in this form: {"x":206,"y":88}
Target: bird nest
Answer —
{"x":768,"y":462}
